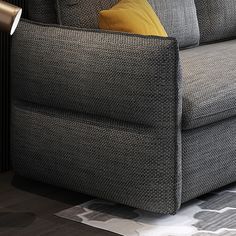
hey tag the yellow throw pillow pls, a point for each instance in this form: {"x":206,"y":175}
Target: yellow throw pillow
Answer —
{"x":132,"y":16}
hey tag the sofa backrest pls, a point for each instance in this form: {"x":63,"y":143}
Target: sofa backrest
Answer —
{"x":179,"y":19}
{"x":217,"y":19}
{"x":42,"y":11}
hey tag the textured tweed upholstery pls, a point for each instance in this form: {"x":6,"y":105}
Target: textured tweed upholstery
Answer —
{"x":82,"y":13}
{"x":209,"y":77}
{"x":179,"y":19}
{"x":209,"y":158}
{"x":103,"y":158}
{"x":42,"y":11}
{"x":104,"y":73}
{"x":217,"y":19}
{"x":48,"y":146}
{"x":110,"y":126}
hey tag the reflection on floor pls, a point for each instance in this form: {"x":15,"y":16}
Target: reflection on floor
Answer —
{"x":27,"y":208}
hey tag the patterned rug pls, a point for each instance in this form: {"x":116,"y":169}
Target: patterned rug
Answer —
{"x":211,"y":215}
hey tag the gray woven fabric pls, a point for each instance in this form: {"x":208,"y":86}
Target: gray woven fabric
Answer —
{"x":217,"y":19}
{"x":82,"y":13}
{"x":73,"y":152}
{"x":97,"y":73}
{"x":209,"y":77}
{"x":179,"y":19}
{"x":42,"y":11}
{"x":103,"y":158}
{"x":128,"y":149}
{"x":209,"y":158}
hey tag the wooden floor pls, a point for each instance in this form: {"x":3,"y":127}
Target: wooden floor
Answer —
{"x":27,"y":209}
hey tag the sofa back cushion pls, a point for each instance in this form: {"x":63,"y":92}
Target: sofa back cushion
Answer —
{"x":179,"y":19}
{"x":42,"y":11}
{"x":217,"y":19}
{"x":82,"y":13}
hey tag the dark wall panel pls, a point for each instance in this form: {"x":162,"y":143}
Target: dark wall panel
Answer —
{"x":5,"y":92}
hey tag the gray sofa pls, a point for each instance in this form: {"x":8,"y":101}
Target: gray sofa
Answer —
{"x":128,"y":118}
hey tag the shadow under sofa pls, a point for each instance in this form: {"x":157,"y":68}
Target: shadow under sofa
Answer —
{"x":127,"y":118}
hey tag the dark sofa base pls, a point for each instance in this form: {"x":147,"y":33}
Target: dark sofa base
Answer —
{"x":92,"y":158}
{"x":109,"y":159}
{"x":209,"y":158}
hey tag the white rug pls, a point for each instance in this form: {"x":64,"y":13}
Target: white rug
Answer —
{"x":212,"y":215}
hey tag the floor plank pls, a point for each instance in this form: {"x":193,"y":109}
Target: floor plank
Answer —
{"x":27,"y":208}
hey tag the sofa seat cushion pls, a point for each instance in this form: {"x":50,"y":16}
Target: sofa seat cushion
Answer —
{"x":209,"y":78}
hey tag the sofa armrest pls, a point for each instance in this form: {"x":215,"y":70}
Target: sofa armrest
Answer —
{"x":121,"y":76}
{"x":130,"y":85}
